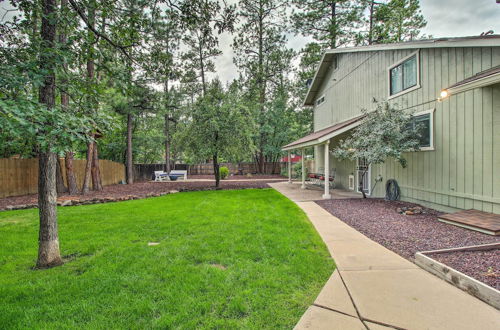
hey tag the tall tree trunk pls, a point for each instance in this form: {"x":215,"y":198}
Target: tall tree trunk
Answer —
{"x":90,"y":79}
{"x":167,"y":144}
{"x":370,"y":32}
{"x":88,"y":168}
{"x":130,"y":162}
{"x":48,"y":238}
{"x":96,"y":172}
{"x":262,"y":90}
{"x":70,"y":173}
{"x":216,"y":170}
{"x":167,"y":132}
{"x":60,"y":187}
{"x":68,"y":161}
{"x":333,"y":33}
{"x":360,"y":183}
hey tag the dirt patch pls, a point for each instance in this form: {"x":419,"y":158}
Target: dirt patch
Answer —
{"x":138,"y":190}
{"x":407,"y":234}
{"x":218,"y":266}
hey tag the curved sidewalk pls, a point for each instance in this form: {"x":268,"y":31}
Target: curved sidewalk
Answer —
{"x":374,"y":288}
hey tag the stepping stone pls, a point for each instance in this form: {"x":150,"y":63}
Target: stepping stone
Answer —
{"x":335,"y":296}
{"x":319,"y":318}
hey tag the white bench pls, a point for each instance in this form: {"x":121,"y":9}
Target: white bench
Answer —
{"x":180,"y":173}
{"x":161,"y":176}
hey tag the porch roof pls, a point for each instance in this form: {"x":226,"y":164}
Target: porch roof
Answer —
{"x":480,"y":79}
{"x":324,"y":134}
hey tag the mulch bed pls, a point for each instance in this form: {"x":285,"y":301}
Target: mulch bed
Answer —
{"x":135,"y":191}
{"x":242,"y":177}
{"x":407,"y":234}
{"x":487,"y":264}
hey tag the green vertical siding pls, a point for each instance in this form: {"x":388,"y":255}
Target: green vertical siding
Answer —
{"x":461,"y":171}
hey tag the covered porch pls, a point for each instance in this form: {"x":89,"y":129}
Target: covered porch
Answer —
{"x":324,"y":168}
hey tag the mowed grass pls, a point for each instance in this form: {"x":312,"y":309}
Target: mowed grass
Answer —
{"x":226,"y":259}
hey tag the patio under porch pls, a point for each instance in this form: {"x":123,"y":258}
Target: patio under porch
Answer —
{"x":324,"y":175}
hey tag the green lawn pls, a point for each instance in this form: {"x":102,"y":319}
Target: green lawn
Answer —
{"x":273,"y":264}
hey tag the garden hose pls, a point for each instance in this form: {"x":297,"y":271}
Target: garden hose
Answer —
{"x":392,"y":191}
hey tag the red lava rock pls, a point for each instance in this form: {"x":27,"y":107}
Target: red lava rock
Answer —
{"x":481,"y":265}
{"x":406,"y":235}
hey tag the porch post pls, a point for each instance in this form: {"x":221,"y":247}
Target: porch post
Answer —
{"x":289,"y":167}
{"x":327,"y":195}
{"x":303,"y":169}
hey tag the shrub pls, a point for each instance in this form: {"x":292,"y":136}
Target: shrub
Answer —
{"x":297,"y":169}
{"x":223,"y":172}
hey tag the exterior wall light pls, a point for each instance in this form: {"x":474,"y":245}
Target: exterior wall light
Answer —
{"x":443,"y":95}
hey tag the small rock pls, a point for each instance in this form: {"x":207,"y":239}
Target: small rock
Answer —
{"x":9,"y":207}
{"x":67,"y":203}
{"x":153,"y":243}
{"x":20,"y":207}
{"x":409,"y":213}
{"x":173,"y":191}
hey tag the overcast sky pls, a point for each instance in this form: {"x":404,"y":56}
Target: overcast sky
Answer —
{"x":445,"y":18}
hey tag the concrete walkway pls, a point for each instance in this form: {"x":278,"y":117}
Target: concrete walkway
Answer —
{"x":374,"y":288}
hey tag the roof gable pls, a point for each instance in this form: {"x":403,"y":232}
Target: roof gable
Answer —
{"x":328,"y":56}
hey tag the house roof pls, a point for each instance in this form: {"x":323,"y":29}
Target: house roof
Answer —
{"x":324,"y":134}
{"x":328,"y":56}
{"x":480,"y":79}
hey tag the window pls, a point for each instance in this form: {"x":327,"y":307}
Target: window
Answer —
{"x":320,"y":100}
{"x":425,"y":121}
{"x":404,"y":75}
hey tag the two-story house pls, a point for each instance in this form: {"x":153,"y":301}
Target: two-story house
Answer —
{"x":452,"y":85}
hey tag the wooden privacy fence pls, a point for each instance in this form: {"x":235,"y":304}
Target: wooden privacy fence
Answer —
{"x":20,"y":176}
{"x":145,"y":171}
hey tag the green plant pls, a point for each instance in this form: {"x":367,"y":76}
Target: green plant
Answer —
{"x":185,"y":267}
{"x":223,"y":172}
{"x":297,"y":169}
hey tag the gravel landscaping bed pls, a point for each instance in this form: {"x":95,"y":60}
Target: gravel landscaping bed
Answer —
{"x":486,"y":264}
{"x":407,"y":234}
{"x":134,"y":191}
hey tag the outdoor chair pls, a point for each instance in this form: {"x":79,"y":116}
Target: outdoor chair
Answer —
{"x":161,"y":176}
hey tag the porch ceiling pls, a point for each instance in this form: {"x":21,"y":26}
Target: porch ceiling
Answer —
{"x":325,"y":134}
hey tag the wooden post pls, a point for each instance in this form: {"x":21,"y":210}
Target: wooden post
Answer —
{"x":303,"y":186}
{"x":289,"y":167}
{"x":327,"y":195}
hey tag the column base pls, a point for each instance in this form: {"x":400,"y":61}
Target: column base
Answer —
{"x":303,"y":186}
{"x":326,"y":196}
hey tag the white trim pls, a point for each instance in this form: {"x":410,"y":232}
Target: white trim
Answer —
{"x":492,"y":41}
{"x":326,"y":137}
{"x":404,"y":91}
{"x":316,"y":105}
{"x":369,"y":174}
{"x":340,"y":131}
{"x":482,"y":82}
{"x":431,"y":128}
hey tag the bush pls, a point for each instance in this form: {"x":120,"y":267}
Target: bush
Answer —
{"x":297,"y":169}
{"x":223,"y":172}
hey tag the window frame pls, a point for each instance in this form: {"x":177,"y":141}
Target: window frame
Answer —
{"x":404,"y":91}
{"x":431,"y":128}
{"x":319,"y":98}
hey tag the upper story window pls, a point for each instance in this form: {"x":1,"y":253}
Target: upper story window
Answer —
{"x":404,"y":76}
{"x":320,"y":100}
